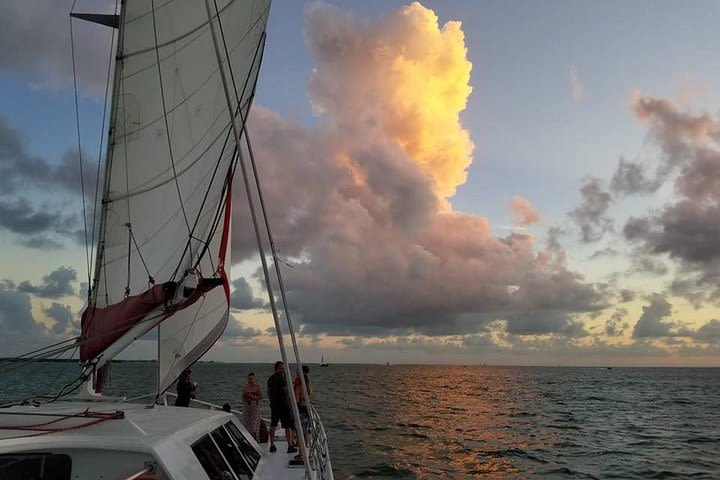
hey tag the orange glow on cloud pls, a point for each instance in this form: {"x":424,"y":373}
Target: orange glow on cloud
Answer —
{"x":408,"y":78}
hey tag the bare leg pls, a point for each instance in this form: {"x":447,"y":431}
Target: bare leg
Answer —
{"x":289,"y":436}
{"x":271,"y":434}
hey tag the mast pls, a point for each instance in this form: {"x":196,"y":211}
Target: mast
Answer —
{"x":109,"y":153}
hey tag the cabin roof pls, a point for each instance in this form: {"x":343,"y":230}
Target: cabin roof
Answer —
{"x":141,"y":428}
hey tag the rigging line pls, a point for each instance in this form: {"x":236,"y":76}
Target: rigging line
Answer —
{"x":167,"y":126}
{"x":60,"y":374}
{"x":263,"y":208}
{"x":69,"y":340}
{"x":100,"y":149}
{"x":238,"y":112}
{"x":127,"y":190}
{"x":77,"y":127}
{"x":29,"y":361}
{"x":200,"y":210}
{"x":142,"y":259}
{"x":266,"y":273}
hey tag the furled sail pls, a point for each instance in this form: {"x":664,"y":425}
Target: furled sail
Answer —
{"x":165,"y":221}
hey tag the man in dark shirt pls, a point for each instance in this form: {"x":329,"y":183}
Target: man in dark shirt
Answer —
{"x":280,"y":407}
{"x":185,"y":389}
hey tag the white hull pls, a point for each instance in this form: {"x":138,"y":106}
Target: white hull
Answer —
{"x":163,"y":440}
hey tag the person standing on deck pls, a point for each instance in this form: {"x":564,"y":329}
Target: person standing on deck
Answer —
{"x":302,"y":406}
{"x":251,"y":396}
{"x":186,"y":389}
{"x":280,"y":407}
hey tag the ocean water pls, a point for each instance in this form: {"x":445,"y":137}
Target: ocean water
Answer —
{"x":427,"y":422}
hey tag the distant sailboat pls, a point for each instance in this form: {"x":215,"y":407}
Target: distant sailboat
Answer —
{"x":323,"y":363}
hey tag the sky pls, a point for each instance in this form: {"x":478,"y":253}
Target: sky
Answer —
{"x":449,"y":182}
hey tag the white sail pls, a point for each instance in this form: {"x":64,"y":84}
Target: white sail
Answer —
{"x":166,"y":201}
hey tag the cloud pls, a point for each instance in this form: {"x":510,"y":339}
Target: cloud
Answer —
{"x":403,"y":75}
{"x":56,"y":284}
{"x":708,"y":332}
{"x":652,"y":322}
{"x":591,"y":216}
{"x":685,"y":229}
{"x":604,"y":252}
{"x":239,"y":333}
{"x":63,"y":317}
{"x":359,"y":203}
{"x":577,"y":89}
{"x":21,"y":331}
{"x":648,"y":265}
{"x":524,"y":212}
{"x":627,"y":295}
{"x":615,"y":326}
{"x":20,"y":170}
{"x":630,"y":178}
{"x":242,"y":297}
{"x":43,"y":54}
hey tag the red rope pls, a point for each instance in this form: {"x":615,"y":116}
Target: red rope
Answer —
{"x":43,"y":429}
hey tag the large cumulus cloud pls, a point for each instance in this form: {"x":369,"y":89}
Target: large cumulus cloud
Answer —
{"x":360,"y":202}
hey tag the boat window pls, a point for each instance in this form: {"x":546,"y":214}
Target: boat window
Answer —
{"x":231,"y":453}
{"x":211,"y":460}
{"x":251,"y":455}
{"x":35,"y":466}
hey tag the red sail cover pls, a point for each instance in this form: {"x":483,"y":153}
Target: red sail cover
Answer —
{"x":102,"y":326}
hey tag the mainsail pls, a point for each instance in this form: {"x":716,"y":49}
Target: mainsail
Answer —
{"x":165,"y":221}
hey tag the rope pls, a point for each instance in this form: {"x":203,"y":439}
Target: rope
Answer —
{"x":253,"y":214}
{"x":77,"y":127}
{"x":100,"y":149}
{"x":42,"y":428}
{"x":142,"y":259}
{"x":167,"y":126}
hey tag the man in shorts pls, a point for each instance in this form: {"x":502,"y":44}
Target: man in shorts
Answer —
{"x":280,"y":407}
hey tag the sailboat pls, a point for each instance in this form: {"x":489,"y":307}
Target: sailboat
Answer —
{"x":183,"y":84}
{"x":323,"y":363}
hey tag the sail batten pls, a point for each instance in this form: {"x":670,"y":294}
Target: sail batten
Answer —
{"x":171,"y":156}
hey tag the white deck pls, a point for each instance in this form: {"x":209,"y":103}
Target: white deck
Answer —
{"x":160,"y":434}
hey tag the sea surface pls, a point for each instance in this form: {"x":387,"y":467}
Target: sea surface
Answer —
{"x":426,"y":422}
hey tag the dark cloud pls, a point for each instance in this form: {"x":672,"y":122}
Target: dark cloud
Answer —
{"x":615,"y":326}
{"x":605,"y":252}
{"x":688,"y":229}
{"x":63,"y":317}
{"x":630,"y":178}
{"x":56,"y":284}
{"x":20,"y":330}
{"x":708,"y":333}
{"x":654,"y":322}
{"x":44,"y":53}
{"x":20,"y":170}
{"x":648,"y":265}
{"x":238,"y":332}
{"x":627,"y":295}
{"x":591,"y":216}
{"x":242,"y":297}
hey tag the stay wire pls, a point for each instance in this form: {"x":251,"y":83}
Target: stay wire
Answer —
{"x":167,"y":126}
{"x":100,"y":150}
{"x":79,"y":143}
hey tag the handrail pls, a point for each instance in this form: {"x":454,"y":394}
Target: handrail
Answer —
{"x":318,"y":451}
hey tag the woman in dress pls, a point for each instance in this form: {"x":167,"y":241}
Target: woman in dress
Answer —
{"x":251,"y":397}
